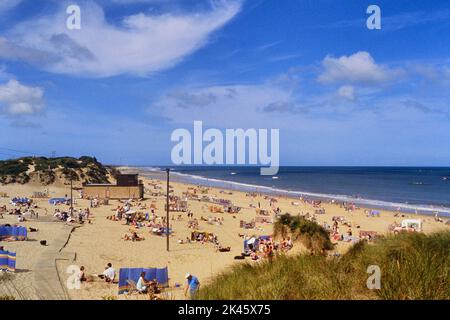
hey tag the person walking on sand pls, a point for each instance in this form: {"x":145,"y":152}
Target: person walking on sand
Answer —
{"x":193,"y":285}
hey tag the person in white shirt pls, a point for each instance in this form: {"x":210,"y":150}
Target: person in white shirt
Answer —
{"x":109,"y":274}
{"x":142,"y":284}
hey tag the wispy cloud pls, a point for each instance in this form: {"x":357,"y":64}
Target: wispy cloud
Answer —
{"x":413,"y":104}
{"x":285,"y":107}
{"x":25,"y":124}
{"x":142,"y":44}
{"x":6,"y":5}
{"x":347,"y":92}
{"x":394,"y":22}
{"x":268,"y":45}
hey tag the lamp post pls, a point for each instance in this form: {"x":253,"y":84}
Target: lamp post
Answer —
{"x":167,"y":209}
{"x":71,"y":196}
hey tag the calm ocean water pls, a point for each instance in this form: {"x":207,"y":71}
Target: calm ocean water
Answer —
{"x":426,"y":190}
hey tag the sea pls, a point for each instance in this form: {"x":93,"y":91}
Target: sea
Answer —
{"x":423,"y":190}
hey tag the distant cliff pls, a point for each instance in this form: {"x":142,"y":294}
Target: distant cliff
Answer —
{"x":47,"y":171}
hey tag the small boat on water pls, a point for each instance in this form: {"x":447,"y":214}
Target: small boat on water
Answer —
{"x":444,"y":178}
{"x":275,"y":177}
{"x":233,"y":173}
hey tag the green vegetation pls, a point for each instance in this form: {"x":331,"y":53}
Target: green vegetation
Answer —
{"x":413,"y":266}
{"x":313,"y":236}
{"x":47,"y":170}
{"x":13,"y":171}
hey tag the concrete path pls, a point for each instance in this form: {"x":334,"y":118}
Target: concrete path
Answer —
{"x":48,"y":284}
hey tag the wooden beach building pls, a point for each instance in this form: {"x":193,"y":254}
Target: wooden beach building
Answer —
{"x":128,"y":186}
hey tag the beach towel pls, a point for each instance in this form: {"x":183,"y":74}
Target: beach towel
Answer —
{"x":8,"y":261}
{"x":160,"y":274}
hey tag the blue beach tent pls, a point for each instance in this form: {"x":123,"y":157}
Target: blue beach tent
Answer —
{"x":55,"y":201}
{"x":160,"y":274}
{"x":17,"y":232}
{"x":7,"y":261}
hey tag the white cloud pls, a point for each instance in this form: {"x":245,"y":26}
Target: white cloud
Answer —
{"x":356,"y":68}
{"x":347,"y":92}
{"x":18,"y":99}
{"x":140,"y":44}
{"x":8,"y":4}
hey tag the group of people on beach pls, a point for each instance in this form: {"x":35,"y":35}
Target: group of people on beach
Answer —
{"x":108,"y":275}
{"x":264,"y":249}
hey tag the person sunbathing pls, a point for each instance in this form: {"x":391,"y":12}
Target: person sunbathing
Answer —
{"x":254,"y":256}
{"x":135,"y":237}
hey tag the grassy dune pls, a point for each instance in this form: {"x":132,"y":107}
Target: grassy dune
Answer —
{"x":413,"y":266}
{"x":49,"y":170}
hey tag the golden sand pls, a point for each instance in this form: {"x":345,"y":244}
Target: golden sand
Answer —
{"x":99,"y":242}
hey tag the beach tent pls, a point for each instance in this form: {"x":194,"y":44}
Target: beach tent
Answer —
{"x":56,"y":201}
{"x":7,"y":260}
{"x":254,"y":242}
{"x":160,"y":274}
{"x":16,"y":200}
{"x":375,"y":213}
{"x":13,"y":233}
{"x":415,"y":224}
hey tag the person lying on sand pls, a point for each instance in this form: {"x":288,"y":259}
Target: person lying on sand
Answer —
{"x":181,"y":241}
{"x":223,"y":249}
{"x":134,"y":237}
{"x":9,"y":239}
{"x":254,"y":256}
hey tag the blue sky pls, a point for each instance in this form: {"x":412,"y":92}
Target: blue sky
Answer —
{"x":340,"y":94}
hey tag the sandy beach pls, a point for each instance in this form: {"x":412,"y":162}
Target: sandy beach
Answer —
{"x":99,"y":242}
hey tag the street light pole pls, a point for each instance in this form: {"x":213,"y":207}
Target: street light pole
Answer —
{"x":71,"y":196}
{"x":167,"y":209}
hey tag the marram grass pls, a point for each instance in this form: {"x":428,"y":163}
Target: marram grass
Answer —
{"x":413,"y":266}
